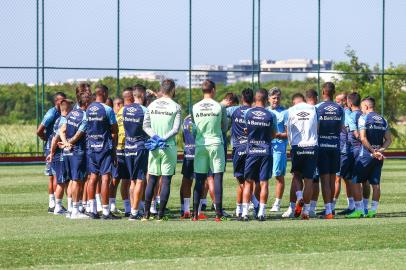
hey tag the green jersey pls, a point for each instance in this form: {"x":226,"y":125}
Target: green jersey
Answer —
{"x":163,"y":118}
{"x":210,"y":119}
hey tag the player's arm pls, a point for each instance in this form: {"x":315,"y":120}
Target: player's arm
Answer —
{"x":41,"y":132}
{"x":48,"y":117}
{"x":387,"y":141}
{"x":54,"y":145}
{"x":80,"y":133}
{"x":284,"y":134}
{"x":146,"y":125}
{"x":353,"y":127}
{"x":176,"y":125}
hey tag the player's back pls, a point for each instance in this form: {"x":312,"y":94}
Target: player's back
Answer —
{"x":260,"y":124}
{"x":353,"y":126}
{"x":302,"y":125}
{"x":121,"y":130}
{"x":208,"y":116}
{"x":74,"y":121}
{"x":375,"y":126}
{"x":331,"y":120}
{"x":99,"y":119}
{"x":238,"y":134}
{"x":133,"y":119}
{"x":345,"y":132}
{"x":188,"y":138}
{"x":162,"y":114}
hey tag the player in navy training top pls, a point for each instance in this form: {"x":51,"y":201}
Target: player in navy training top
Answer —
{"x":236,"y":114}
{"x":331,"y":122}
{"x":101,"y":139}
{"x":187,"y":166}
{"x":73,"y":137}
{"x":261,"y":129}
{"x":136,"y":155}
{"x":376,"y":138}
{"x":44,"y":132}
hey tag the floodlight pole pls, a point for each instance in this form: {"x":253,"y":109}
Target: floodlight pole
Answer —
{"x":383,"y":59}
{"x":190,"y":57}
{"x":118,"y":49}
{"x":318,"y":45}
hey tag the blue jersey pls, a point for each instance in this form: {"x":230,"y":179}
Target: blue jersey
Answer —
{"x":344,"y":139}
{"x":49,"y":122}
{"x":281,"y":115}
{"x":100,"y":117}
{"x":261,"y":123}
{"x":188,"y":138}
{"x":76,"y":121}
{"x":375,"y":127}
{"x":353,"y":126}
{"x":331,"y":119}
{"x":133,"y":119}
{"x":237,"y":116}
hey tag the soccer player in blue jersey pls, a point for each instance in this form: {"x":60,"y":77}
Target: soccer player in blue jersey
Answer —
{"x":331,"y":122}
{"x":102,"y":139}
{"x":187,"y":166}
{"x":239,"y":143}
{"x":136,"y":155}
{"x":279,"y":145}
{"x":261,"y":129}
{"x":73,"y":141}
{"x":302,"y":128}
{"x":44,"y":132}
{"x":55,"y":157}
{"x":375,"y":138}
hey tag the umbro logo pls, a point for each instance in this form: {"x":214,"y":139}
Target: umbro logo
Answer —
{"x":377,"y":118}
{"x":132,"y":109}
{"x":93,"y":109}
{"x":258,"y":113}
{"x":330,"y":108}
{"x":162,"y":103}
{"x":75,"y":113}
{"x":206,"y":105}
{"x":303,"y":114}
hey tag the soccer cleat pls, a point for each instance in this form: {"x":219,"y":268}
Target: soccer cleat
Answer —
{"x":82,"y":210}
{"x":60,"y":212}
{"x":239,"y":217}
{"x":371,"y":214}
{"x":202,"y":216}
{"x":164,"y":218}
{"x":366,"y":211}
{"x":305,"y":216}
{"x":356,"y":214}
{"x":221,"y":219}
{"x":153,"y":211}
{"x":195,"y":219}
{"x":51,"y":210}
{"x":298,"y":208}
{"x":346,"y":211}
{"x":68,"y":214}
{"x":289,"y":213}
{"x":329,"y":216}
{"x":312,"y":214}
{"x":134,"y":217}
{"x":128,"y":214}
{"x":79,"y":216}
{"x":110,"y":216}
{"x":93,"y":215}
{"x":323,"y":213}
{"x":245,"y":218}
{"x":261,"y":218}
{"x":204,"y":206}
{"x":275,"y":208}
{"x":186,"y":215}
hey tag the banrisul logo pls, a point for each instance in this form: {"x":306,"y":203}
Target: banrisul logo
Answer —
{"x":330,"y":108}
{"x":258,"y":113}
{"x":303,"y":114}
{"x":94,"y":109}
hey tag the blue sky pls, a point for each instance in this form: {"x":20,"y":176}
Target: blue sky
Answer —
{"x":154,"y":34}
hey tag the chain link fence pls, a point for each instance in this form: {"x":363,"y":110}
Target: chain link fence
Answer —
{"x":48,"y":41}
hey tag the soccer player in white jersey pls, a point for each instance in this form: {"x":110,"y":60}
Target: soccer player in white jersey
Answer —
{"x":302,"y":127}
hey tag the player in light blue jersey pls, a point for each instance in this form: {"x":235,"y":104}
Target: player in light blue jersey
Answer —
{"x":44,"y":132}
{"x":279,"y":145}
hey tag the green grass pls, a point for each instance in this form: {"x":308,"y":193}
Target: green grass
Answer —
{"x":29,"y":237}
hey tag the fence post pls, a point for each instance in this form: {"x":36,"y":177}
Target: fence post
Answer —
{"x":253,"y":46}
{"x":318,"y":45}
{"x":43,"y":60}
{"x":190,"y":57}
{"x":259,"y":43}
{"x":383,"y":59}
{"x":118,"y":49}
{"x":37,"y":75}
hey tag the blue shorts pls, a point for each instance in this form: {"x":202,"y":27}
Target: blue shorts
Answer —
{"x":58,"y":167}
{"x":316,"y":175}
{"x":75,"y":165}
{"x":239,"y":156}
{"x":100,"y":162}
{"x":279,"y":163}
{"x":188,"y":169}
{"x":304,"y":160}
{"x":137,"y":164}
{"x":328,"y":161}
{"x":347,"y":165}
{"x":370,"y":171}
{"x":121,"y":171}
{"x":258,"y":168}
{"x":48,"y":168}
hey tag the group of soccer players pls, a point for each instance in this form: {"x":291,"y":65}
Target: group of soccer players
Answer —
{"x":95,"y":143}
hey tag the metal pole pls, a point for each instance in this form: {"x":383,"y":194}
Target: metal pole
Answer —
{"x":43,"y":62}
{"x":190,"y":57}
{"x":259,"y":44}
{"x":37,"y":78}
{"x":383,"y":59}
{"x":253,"y":44}
{"x":118,"y":49}
{"x":318,"y":46}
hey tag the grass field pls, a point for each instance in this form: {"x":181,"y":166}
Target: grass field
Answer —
{"x":31,"y":238}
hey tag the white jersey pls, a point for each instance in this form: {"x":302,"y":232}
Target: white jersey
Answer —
{"x":302,"y":125}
